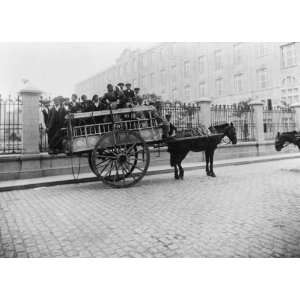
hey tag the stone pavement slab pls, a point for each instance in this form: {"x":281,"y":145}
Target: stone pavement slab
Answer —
{"x":250,"y":210}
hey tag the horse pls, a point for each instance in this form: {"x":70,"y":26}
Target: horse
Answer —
{"x":179,"y":149}
{"x":285,"y":138}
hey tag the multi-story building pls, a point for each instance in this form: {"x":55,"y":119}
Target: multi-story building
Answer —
{"x":225,"y":72}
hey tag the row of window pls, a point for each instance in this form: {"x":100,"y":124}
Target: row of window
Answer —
{"x":288,"y":58}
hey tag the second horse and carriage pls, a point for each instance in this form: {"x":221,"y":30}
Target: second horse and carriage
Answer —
{"x":117,"y":142}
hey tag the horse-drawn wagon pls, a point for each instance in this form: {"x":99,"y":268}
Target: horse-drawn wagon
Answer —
{"x":117,"y":142}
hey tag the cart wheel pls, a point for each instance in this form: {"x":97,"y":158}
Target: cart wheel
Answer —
{"x":90,"y":162}
{"x":100,"y":157}
{"x":124,"y":162}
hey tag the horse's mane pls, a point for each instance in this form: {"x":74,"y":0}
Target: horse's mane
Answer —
{"x":288,"y":132}
{"x":219,"y":126}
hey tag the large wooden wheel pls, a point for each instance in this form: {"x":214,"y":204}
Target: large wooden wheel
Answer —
{"x":120,"y":159}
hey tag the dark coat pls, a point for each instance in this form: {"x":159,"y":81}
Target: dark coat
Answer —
{"x":56,"y":122}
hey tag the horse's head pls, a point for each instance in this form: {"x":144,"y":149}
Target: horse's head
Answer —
{"x":279,"y":142}
{"x":282,"y":139}
{"x":227,"y":129}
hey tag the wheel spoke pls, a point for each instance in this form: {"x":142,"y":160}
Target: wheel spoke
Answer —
{"x":130,"y":148}
{"x":103,"y":161}
{"x":104,"y":168}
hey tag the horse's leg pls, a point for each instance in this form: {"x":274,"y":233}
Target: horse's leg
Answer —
{"x":211,"y":160}
{"x":181,"y":171}
{"x":207,"y":154}
{"x":176,"y":176}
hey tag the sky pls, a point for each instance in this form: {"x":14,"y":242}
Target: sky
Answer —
{"x":55,"y":68}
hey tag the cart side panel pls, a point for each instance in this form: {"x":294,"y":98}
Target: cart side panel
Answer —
{"x":81,"y":144}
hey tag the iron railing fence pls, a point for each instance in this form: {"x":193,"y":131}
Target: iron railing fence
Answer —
{"x":278,"y":119}
{"x":11,"y":141}
{"x":241,"y":118}
{"x":182,"y":116}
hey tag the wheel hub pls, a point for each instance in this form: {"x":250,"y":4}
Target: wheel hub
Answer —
{"x":122,"y":158}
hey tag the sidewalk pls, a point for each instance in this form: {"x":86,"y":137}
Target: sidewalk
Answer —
{"x":88,"y":177}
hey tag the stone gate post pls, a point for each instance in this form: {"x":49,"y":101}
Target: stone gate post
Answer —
{"x":296,"y":106}
{"x":258,"y":120}
{"x":31,"y":136}
{"x":205,"y":115}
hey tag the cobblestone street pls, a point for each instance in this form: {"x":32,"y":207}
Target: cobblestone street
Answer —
{"x":247,"y":211}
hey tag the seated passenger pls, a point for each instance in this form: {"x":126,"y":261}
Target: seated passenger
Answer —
{"x":110,"y":97}
{"x":129,"y":95}
{"x":86,"y":104}
{"x":74,"y":105}
{"x":138,"y":100}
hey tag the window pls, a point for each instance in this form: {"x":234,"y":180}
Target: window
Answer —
{"x":262,"y":49}
{"x":238,"y":83}
{"x":289,"y":90}
{"x":202,"y":89}
{"x":186,"y":69}
{"x":174,"y":95}
{"x":143,"y":83}
{"x":201,"y":64}
{"x":163,"y":76}
{"x":144,"y":61}
{"x":218,"y":60}
{"x":173,"y":72}
{"x":152,"y":80}
{"x":237,"y":54}
{"x":219,"y":86}
{"x":262,"y":78}
{"x":288,"y":55}
{"x":187,"y":93}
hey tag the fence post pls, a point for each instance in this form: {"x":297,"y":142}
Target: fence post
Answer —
{"x":296,"y":106}
{"x":258,"y":120}
{"x":205,"y":115}
{"x":31,"y":136}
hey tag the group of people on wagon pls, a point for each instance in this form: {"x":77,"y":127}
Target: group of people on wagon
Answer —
{"x":54,"y":117}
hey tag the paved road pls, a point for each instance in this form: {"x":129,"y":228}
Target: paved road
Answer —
{"x":247,"y":211}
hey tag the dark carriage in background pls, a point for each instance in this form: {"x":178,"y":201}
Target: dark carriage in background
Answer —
{"x":117,"y":142}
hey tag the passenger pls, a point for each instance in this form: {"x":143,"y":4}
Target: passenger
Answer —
{"x":74,"y":105}
{"x":96,"y":105}
{"x":172,"y":127}
{"x":86,"y":104}
{"x":129,"y":95}
{"x":110,"y":97}
{"x":120,"y":95}
{"x":138,"y":100}
{"x":67,"y":104}
{"x":55,"y":124}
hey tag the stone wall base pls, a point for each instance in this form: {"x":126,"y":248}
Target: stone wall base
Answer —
{"x":38,"y":165}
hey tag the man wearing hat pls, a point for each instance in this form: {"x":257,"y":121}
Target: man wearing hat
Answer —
{"x":129,"y":94}
{"x":55,"y":124}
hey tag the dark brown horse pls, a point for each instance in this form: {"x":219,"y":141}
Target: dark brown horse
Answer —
{"x":179,"y":149}
{"x":285,"y":138}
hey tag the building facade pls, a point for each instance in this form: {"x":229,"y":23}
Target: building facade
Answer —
{"x":225,"y":72}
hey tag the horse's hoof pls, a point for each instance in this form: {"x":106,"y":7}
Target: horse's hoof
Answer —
{"x":212,"y":174}
{"x":208,"y":173}
{"x":176,"y":177}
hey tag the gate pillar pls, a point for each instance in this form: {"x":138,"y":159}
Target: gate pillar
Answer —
{"x":258,"y":120}
{"x":205,"y":115}
{"x":296,"y":106}
{"x":30,"y":99}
